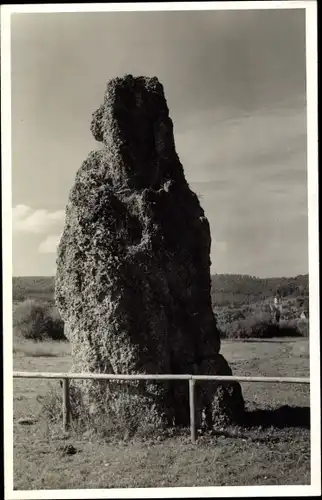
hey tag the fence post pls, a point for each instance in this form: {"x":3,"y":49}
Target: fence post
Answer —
{"x":66,"y":405}
{"x":192,"y":410}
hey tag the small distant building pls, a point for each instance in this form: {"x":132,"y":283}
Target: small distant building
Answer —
{"x":304,"y":315}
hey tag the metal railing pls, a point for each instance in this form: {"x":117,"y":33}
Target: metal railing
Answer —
{"x":66,"y":377}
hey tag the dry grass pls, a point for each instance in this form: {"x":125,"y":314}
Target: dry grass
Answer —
{"x":232,"y":457}
{"x":174,"y":462}
{"x":43,"y":349}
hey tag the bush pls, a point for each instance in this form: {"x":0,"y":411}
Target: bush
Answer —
{"x":229,"y":314}
{"x":37,"y":321}
{"x":235,"y":330}
{"x":56,"y":331}
{"x":261,"y":326}
{"x":301,"y":326}
{"x":304,"y":328}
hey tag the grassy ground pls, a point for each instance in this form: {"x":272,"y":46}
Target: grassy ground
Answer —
{"x":45,"y":459}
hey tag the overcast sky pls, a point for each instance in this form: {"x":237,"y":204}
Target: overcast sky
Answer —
{"x":235,"y":85}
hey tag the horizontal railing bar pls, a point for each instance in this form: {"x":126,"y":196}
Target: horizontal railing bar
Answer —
{"x":99,"y":376}
{"x":236,"y":378}
{"x":105,"y":376}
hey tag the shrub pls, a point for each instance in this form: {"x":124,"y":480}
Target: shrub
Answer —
{"x":290,"y":330}
{"x":304,"y":328}
{"x":262,"y":330}
{"x":56,"y":331}
{"x":301,"y":326}
{"x":229,"y":314}
{"x":261,"y":326}
{"x":37,"y":321}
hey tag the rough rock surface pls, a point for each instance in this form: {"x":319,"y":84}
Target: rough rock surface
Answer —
{"x":133,"y":267}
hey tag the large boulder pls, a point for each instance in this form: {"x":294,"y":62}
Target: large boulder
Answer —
{"x":133,"y":268}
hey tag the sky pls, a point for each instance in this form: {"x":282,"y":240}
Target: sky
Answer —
{"x":235,"y":86}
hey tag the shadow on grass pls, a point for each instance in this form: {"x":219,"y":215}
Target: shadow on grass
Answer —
{"x":257,"y":421}
{"x":281,"y":418}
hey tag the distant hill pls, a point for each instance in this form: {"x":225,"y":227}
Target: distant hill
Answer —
{"x":33,"y":287}
{"x":226,"y":288}
{"x":243,"y":289}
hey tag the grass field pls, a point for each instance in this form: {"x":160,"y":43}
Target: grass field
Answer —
{"x":268,"y":455}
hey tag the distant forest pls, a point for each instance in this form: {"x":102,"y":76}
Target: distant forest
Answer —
{"x":240,"y":289}
{"x":233,"y":289}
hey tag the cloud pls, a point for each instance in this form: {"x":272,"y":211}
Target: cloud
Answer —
{"x":27,"y":220}
{"x":216,"y":150}
{"x":49,"y":245}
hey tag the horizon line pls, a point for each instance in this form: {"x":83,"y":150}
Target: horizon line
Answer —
{"x":211,"y":274}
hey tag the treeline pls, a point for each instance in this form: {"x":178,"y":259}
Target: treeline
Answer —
{"x":33,"y":287}
{"x":233,"y":289}
{"x":238,"y":302}
{"x":238,"y":289}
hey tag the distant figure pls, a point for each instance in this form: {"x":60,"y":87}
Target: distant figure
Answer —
{"x":277,"y":308}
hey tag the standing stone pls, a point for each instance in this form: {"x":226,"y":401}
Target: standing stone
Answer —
{"x":133,"y":267}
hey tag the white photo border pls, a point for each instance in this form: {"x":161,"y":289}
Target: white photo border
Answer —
{"x":314,"y":488}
